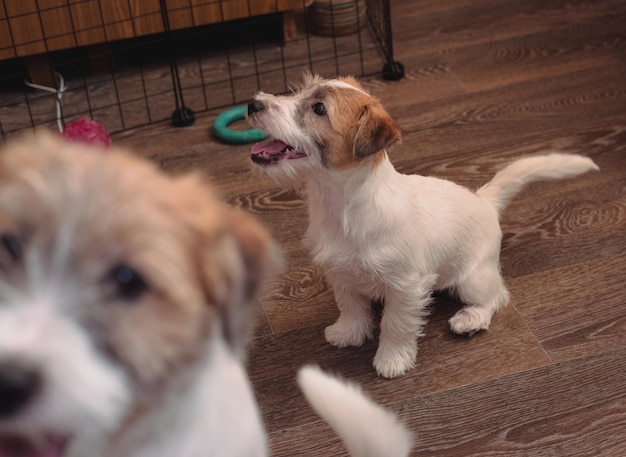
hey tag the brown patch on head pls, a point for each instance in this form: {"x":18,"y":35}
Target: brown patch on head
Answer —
{"x":86,"y":214}
{"x":358,"y":125}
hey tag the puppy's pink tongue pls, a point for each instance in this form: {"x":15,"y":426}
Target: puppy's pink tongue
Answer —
{"x":20,"y":447}
{"x":269,"y":147}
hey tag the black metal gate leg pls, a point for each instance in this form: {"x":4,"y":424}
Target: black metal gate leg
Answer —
{"x":393,"y":71}
{"x":182,"y":116}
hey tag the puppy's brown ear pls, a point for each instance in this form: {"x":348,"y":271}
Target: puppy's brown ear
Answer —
{"x":376,"y":131}
{"x":236,"y":271}
{"x":258,"y":251}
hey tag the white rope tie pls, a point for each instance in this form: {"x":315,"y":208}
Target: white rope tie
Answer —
{"x":59,"y":95}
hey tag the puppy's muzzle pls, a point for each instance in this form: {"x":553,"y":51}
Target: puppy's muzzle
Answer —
{"x":19,"y":384}
{"x":255,"y":106}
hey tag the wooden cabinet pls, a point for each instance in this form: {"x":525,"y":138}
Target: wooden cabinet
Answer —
{"x":30,"y":27}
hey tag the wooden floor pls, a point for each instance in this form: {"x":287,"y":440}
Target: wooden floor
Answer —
{"x":487,"y":81}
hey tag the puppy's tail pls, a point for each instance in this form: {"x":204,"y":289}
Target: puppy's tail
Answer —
{"x":509,"y":181}
{"x":366,"y":429}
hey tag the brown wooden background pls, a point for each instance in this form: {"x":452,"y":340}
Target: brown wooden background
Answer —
{"x":30,"y":27}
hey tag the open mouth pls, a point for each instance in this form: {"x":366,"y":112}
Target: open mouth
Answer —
{"x":18,"y":446}
{"x":272,"y":151}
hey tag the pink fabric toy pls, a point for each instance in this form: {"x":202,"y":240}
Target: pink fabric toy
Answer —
{"x":87,"y":131}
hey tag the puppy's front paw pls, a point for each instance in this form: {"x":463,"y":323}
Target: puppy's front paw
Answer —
{"x":470,"y":320}
{"x":394,"y":362}
{"x":345,"y":333}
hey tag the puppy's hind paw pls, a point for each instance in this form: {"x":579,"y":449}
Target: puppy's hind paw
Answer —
{"x":343,"y":334}
{"x":470,"y":320}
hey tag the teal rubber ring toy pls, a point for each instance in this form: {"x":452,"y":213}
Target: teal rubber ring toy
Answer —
{"x":221,"y":122}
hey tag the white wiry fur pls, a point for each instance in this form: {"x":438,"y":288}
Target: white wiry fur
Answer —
{"x":366,"y":429}
{"x":380,"y":234}
{"x":210,"y":411}
{"x":508,"y":182}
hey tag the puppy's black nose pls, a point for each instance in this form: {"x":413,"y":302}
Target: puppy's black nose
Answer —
{"x":255,"y":106}
{"x":19,"y":383}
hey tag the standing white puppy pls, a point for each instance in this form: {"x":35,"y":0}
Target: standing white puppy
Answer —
{"x":379,"y":234}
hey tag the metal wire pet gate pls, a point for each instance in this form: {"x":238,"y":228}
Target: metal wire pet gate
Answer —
{"x":130,"y":63}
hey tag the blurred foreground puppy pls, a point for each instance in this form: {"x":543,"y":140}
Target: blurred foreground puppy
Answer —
{"x":123,"y":309}
{"x":380,"y":234}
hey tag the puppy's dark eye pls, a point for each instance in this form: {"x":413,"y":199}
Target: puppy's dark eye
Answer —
{"x":129,"y":284}
{"x":12,"y":245}
{"x":319,"y":109}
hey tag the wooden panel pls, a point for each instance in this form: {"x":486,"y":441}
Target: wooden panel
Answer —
{"x":27,"y":34}
{"x":117,"y":20}
{"x":35,"y":31}
{"x":214,"y":11}
{"x":146,"y":16}
{"x":6,"y":43}
{"x":17,"y":8}
{"x":59,"y":24}
{"x":179,"y":14}
{"x":57,"y":28}
{"x":88,"y":23}
{"x":204,"y":12}
{"x":49,"y":4}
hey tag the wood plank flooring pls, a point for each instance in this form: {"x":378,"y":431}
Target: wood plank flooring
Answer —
{"x":487,"y":81}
